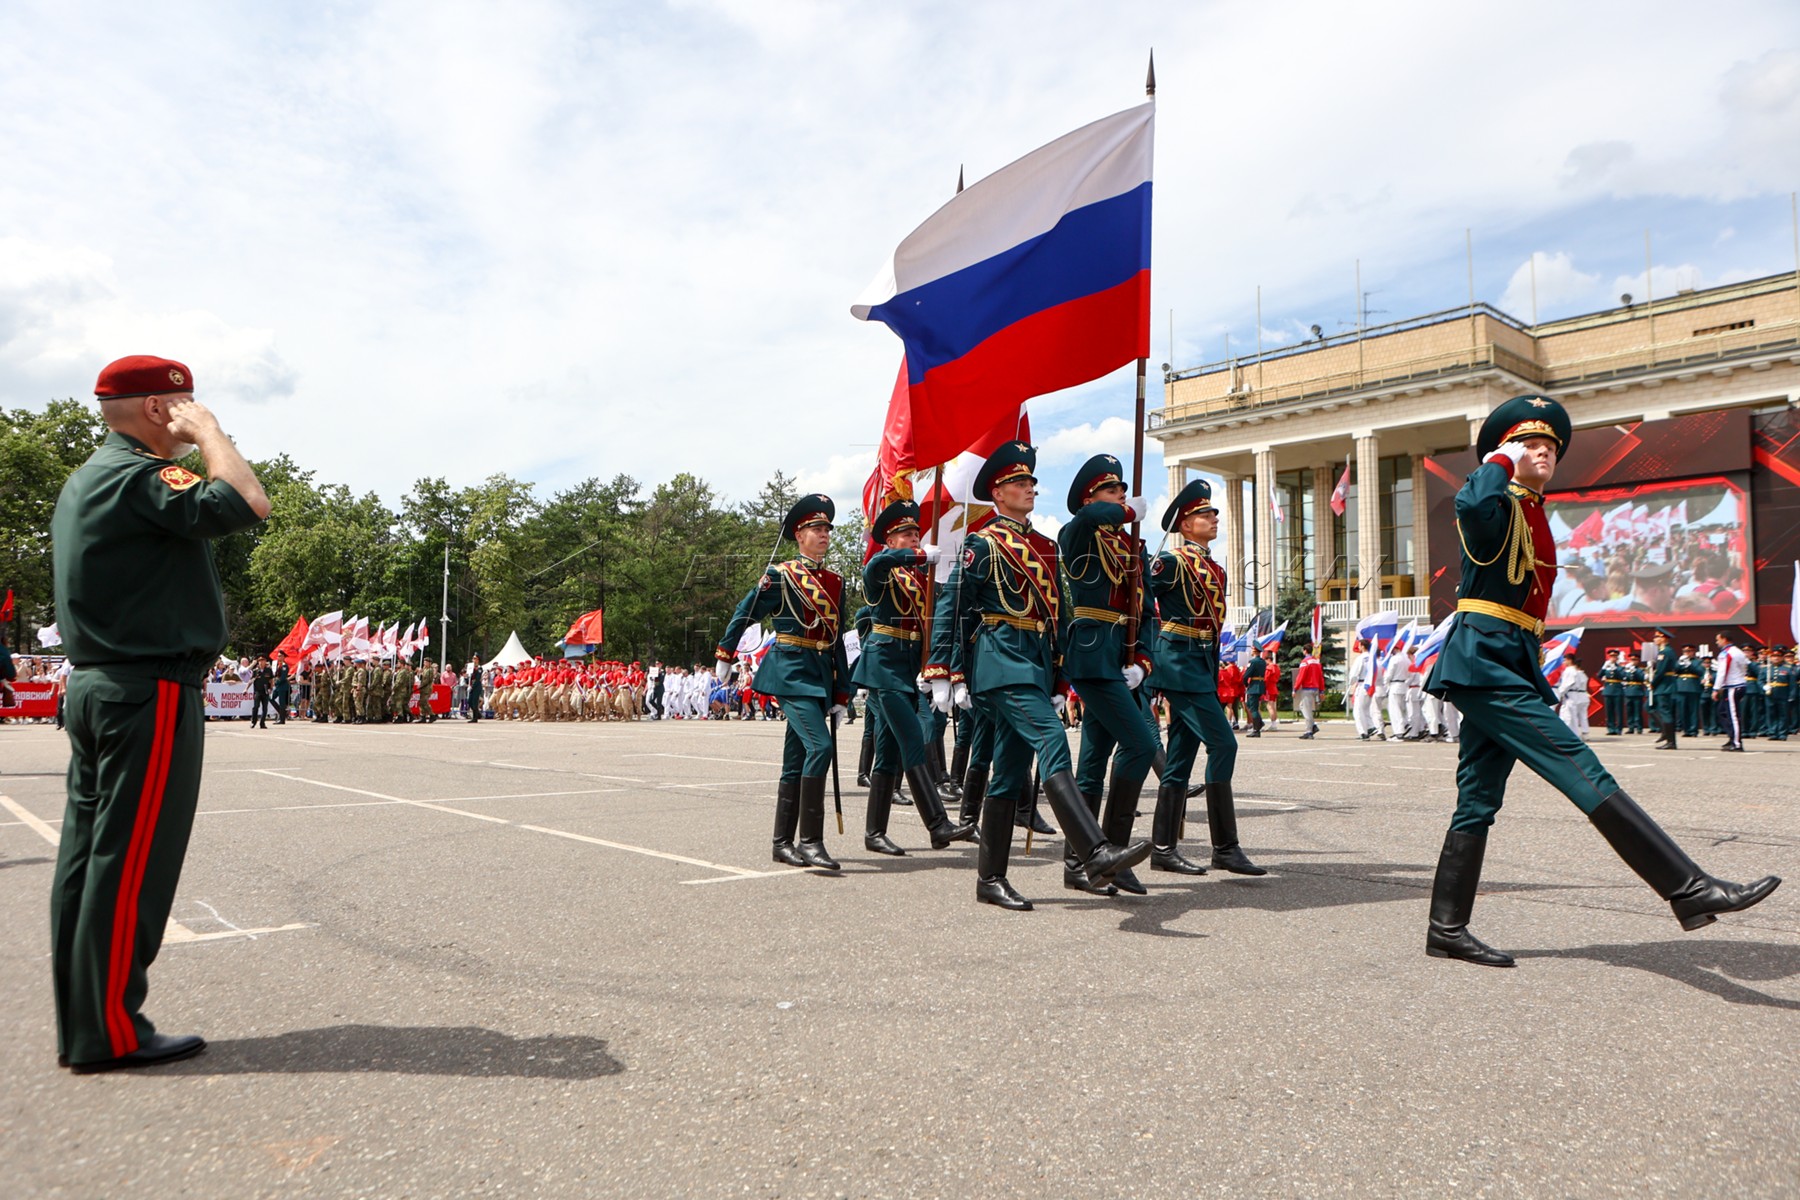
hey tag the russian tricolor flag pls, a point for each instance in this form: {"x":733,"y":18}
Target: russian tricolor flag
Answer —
{"x":1035,"y":279}
{"x":1554,"y":649}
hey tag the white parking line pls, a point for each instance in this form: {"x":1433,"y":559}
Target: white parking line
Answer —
{"x":44,"y":831}
{"x":753,"y":762}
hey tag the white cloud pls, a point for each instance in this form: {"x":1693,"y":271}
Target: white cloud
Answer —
{"x":1075,"y":444}
{"x":1668,"y":280}
{"x":1560,"y":287}
{"x":841,"y":478}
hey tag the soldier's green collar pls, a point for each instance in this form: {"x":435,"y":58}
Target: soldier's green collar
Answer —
{"x":811,"y":563}
{"x":1519,"y":489}
{"x":1013,"y":522}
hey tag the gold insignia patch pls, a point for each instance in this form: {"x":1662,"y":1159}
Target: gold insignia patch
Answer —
{"x":175,"y":378}
{"x":179,"y":479}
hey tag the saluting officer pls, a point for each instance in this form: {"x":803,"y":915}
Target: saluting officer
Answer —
{"x":1687,"y":691}
{"x":997,"y":639}
{"x":806,"y":669}
{"x":1612,"y":693}
{"x":890,"y":662}
{"x":1489,"y":668}
{"x":1633,"y":681}
{"x":143,"y":618}
{"x":1106,"y":657}
{"x":1663,"y":683}
{"x":1190,"y":593}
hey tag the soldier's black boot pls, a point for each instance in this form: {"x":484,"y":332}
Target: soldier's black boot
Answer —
{"x":1121,"y":810}
{"x":881,"y":801}
{"x":1453,"y":899}
{"x":1026,"y":816}
{"x":947,"y":787}
{"x":1075,"y":876}
{"x":787,"y":812}
{"x":812,"y":824}
{"x":991,"y":860}
{"x":974,"y":788}
{"x":1100,"y":857}
{"x":931,"y":810}
{"x":1161,"y":762}
{"x":959,"y":768}
{"x":1695,"y":897}
{"x":1666,"y":740}
{"x":1221,"y":817}
{"x":867,"y":756}
{"x":1165,"y":832}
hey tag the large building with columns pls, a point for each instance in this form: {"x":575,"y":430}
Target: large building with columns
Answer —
{"x":1281,"y":427}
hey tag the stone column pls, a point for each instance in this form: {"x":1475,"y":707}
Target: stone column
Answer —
{"x":1421,"y":531}
{"x":1234,"y":538}
{"x":1324,"y":533}
{"x":1268,"y":575}
{"x":1368,"y":521}
{"x":1177,"y":481}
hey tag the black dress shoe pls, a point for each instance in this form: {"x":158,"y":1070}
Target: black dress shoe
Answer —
{"x":1076,"y":880}
{"x":159,"y":1048}
{"x":947,"y":834}
{"x":1234,"y":860}
{"x":881,"y":843}
{"x":1467,"y":947}
{"x":1125,"y":881}
{"x":1000,"y":893}
{"x":812,"y":854}
{"x":1169,"y":858}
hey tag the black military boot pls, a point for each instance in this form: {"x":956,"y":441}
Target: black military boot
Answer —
{"x":1026,"y":815}
{"x":1453,"y":899}
{"x":1075,"y":876}
{"x":787,"y":812}
{"x":947,"y":788}
{"x":812,"y":824}
{"x":866,"y":757}
{"x":959,"y":768}
{"x":974,"y":788}
{"x":1221,"y":816}
{"x":881,"y":801}
{"x":931,"y":810}
{"x":1100,"y":857}
{"x":1695,"y":897}
{"x":1121,"y":811}
{"x":996,"y":851}
{"x":1165,"y":832}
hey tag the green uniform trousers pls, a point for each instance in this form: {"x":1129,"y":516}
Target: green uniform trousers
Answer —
{"x":136,"y":746}
{"x":1025,"y":725}
{"x":1196,"y":719}
{"x":1112,"y":726}
{"x":1501,"y":726}
{"x":899,"y":741}
{"x":975,"y":731}
{"x":806,"y":750}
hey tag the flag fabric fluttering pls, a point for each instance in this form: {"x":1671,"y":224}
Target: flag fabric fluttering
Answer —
{"x":1272,"y":639}
{"x":1553,"y":650}
{"x":6,"y":609}
{"x":1318,"y":625}
{"x":1340,"y":495}
{"x":589,"y":629}
{"x":1379,"y":627}
{"x":1035,"y":279}
{"x":288,"y":649}
{"x":49,"y":636}
{"x":1433,"y":644}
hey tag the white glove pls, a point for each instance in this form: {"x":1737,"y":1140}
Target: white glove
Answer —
{"x":1134,"y":676}
{"x":1136,"y":505}
{"x":1059,"y":702}
{"x":932,"y":553}
{"x":940,"y":695}
{"x":839,"y":710}
{"x":959,"y":695}
{"x":1513,"y":450}
{"x":923,"y":684}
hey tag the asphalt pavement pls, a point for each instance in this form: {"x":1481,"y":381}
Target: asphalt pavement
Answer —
{"x":555,"y":960}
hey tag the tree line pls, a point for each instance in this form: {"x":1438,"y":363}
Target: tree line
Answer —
{"x":667,"y":563}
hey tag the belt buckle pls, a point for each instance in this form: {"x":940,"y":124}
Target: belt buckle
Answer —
{"x":1040,"y":626}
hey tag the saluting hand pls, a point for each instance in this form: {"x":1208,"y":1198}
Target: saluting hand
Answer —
{"x":191,"y":420}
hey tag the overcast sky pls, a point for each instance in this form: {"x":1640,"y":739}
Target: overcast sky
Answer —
{"x":562,"y":239}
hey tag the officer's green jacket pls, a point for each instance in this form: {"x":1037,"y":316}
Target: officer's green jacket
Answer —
{"x":1253,"y":677}
{"x":1633,"y":680}
{"x":1099,"y":590}
{"x":1661,"y":671}
{"x":804,"y":604}
{"x":1189,"y":585}
{"x":1508,"y":561}
{"x":895,"y":587}
{"x":1687,"y":676}
{"x":1612,"y":679}
{"x":1000,"y":619}
{"x":129,"y":600}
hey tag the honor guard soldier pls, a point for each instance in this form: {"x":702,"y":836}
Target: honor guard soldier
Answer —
{"x":1634,"y":680}
{"x":865,"y":620}
{"x":1779,"y":688}
{"x":996,"y":644}
{"x":1662,"y":669}
{"x":143,"y":619}
{"x":1489,"y":668}
{"x":805,"y":669}
{"x":1190,"y":594}
{"x":889,"y":665}
{"x":1688,"y":670}
{"x":1105,"y":653}
{"x":1612,"y":693}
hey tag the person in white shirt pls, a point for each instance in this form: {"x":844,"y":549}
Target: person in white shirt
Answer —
{"x":1399,"y":667}
{"x":1572,"y":696}
{"x":1354,"y":696}
{"x":1369,"y":691}
{"x":1730,"y":672}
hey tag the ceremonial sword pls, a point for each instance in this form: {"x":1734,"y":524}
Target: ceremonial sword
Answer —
{"x":837,"y":795}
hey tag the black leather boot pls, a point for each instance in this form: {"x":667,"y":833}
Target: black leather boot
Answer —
{"x":1100,"y":857}
{"x":959,"y":768}
{"x":948,"y":787}
{"x":991,"y":886}
{"x":866,"y":758}
{"x":881,"y":801}
{"x":1026,"y":816}
{"x":1453,"y":899}
{"x":1121,"y":811}
{"x":931,"y":810}
{"x":1075,"y":876}
{"x":787,"y":812}
{"x":1165,"y":832}
{"x":974,"y":788}
{"x":1221,"y":816}
{"x":812,"y":824}
{"x":1695,"y":897}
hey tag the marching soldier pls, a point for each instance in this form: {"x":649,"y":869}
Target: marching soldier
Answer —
{"x":1489,"y":668}
{"x":1612,"y":693}
{"x":996,"y":644}
{"x":1633,"y":680}
{"x":865,"y":758}
{"x":1190,"y":593}
{"x":894,"y":581}
{"x":1663,"y":684}
{"x":1105,"y":654}
{"x":359,"y":692}
{"x":1687,"y":691}
{"x":806,"y":669}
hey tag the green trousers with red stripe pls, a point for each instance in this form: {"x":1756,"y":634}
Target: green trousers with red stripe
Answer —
{"x":134,"y":778}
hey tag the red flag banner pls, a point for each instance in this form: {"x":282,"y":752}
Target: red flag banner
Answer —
{"x":1340,"y":495}
{"x":289,"y":649}
{"x":587,"y":630}
{"x":6,"y":610}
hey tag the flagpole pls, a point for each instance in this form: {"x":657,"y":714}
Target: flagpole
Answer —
{"x":1137,"y":466}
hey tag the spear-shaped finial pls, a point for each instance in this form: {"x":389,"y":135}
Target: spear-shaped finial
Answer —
{"x":959,"y":173}
{"x":1150,"y":79}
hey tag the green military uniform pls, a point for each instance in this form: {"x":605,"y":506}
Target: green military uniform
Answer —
{"x":807,"y":670}
{"x":359,"y":693}
{"x":1661,"y":672}
{"x":865,"y":759}
{"x":1778,"y":687}
{"x":894,"y":581}
{"x":142,"y":616}
{"x":1633,"y":680}
{"x":1489,"y":668}
{"x":1687,"y":693}
{"x":320,"y":703}
{"x":1752,"y":700}
{"x":1612,"y":694}
{"x":401,"y":703}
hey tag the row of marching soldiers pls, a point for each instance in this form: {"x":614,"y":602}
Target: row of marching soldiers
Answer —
{"x":361,"y":692}
{"x":1021,"y":622}
{"x":564,"y":691}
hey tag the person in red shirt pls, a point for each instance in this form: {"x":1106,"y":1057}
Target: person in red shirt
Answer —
{"x":1231,"y":689}
{"x":1272,"y":685}
{"x":1309,"y":684}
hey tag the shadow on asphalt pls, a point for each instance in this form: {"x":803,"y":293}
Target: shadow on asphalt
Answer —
{"x":1721,"y":968}
{"x":24,"y":862}
{"x":407,"y":1050}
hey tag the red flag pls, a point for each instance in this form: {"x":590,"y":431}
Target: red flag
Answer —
{"x":587,"y":630}
{"x":1589,"y":531}
{"x":289,"y":648}
{"x":6,"y":609}
{"x":1340,"y":495}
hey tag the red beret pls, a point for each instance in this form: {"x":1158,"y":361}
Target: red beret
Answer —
{"x":142,"y":375}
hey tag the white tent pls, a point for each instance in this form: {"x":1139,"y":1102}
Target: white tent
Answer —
{"x":511,"y":655}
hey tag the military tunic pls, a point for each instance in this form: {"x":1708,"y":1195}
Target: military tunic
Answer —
{"x":1190,"y":596}
{"x":892,"y":655}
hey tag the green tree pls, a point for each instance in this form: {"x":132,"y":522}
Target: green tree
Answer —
{"x":38,"y":450}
